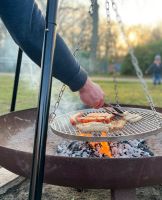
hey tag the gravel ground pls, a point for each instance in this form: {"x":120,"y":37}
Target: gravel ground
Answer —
{"x":62,"y":193}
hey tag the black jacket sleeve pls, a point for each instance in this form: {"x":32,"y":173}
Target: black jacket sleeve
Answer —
{"x":26,"y":24}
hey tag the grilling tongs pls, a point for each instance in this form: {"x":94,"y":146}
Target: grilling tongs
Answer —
{"x":113,"y":109}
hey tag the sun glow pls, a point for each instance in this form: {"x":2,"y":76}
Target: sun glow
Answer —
{"x":133,"y":38}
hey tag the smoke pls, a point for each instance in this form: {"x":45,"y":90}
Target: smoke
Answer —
{"x":8,"y":59}
{"x":30,"y":77}
{"x":7,"y":52}
{"x":69,"y":102}
{"x":30,"y":73}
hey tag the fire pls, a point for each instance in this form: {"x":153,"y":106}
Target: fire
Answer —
{"x":102,"y":147}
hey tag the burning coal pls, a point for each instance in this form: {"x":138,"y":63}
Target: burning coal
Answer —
{"x":122,"y":149}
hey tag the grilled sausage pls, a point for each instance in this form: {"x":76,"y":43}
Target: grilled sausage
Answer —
{"x":73,"y":119}
{"x":101,"y":127}
{"x":132,"y":118}
{"x":93,"y":127}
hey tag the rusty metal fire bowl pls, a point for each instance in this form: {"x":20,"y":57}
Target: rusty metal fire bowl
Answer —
{"x":16,"y":143}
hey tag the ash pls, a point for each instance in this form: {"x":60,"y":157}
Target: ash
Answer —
{"x":78,"y":149}
{"x":130,"y":149}
{"x":122,"y":149}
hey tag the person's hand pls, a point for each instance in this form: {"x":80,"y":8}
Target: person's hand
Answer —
{"x":92,"y":95}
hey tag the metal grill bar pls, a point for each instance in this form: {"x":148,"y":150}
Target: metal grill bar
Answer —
{"x":16,"y":80}
{"x":145,"y":127}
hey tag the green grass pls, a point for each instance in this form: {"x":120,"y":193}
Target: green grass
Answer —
{"x":26,"y":97}
{"x":129,"y":93}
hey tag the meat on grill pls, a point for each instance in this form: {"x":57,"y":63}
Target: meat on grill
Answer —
{"x":132,"y":118}
{"x":101,"y":127}
{"x":93,"y":126}
{"x":91,"y":117}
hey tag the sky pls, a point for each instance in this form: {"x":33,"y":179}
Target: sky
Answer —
{"x":147,"y":12}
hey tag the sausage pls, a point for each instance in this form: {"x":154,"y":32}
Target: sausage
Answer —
{"x":119,"y":124}
{"x":93,"y":127}
{"x":96,"y":117}
{"x":136,"y":119}
{"x":132,"y":118}
{"x":73,"y":119}
{"x":101,"y":127}
{"x":99,"y":115}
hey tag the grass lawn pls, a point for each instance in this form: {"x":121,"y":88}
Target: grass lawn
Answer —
{"x":26,"y":97}
{"x":129,"y":92}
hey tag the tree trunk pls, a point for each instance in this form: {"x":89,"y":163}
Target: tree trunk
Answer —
{"x":94,"y":37}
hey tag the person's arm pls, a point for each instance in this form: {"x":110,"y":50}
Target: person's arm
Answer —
{"x":26,"y":24}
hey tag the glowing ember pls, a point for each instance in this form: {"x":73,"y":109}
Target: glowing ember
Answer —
{"x":102,"y":147}
{"x":121,"y":149}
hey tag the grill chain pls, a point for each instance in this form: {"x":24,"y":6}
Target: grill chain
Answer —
{"x":53,"y":114}
{"x":134,"y":61}
{"x":111,"y":48}
{"x":76,"y":50}
{"x":91,"y":8}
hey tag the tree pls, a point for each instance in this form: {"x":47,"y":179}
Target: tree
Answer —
{"x":145,"y":55}
{"x":156,"y":33}
{"x":94,"y":36}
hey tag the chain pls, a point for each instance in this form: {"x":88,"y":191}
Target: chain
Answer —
{"x":91,"y":8}
{"x":135,"y":63}
{"x":53,"y":114}
{"x":111,"y":51}
{"x":80,"y":40}
{"x":77,"y":48}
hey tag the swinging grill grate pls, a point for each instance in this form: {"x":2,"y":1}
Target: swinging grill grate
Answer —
{"x":145,"y":127}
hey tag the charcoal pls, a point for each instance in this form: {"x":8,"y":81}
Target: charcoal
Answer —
{"x":124,"y":156}
{"x":122,"y":149}
{"x":97,"y":154}
{"x":136,"y":155}
{"x":133,"y":143}
{"x":59,"y":149}
{"x":72,"y":145}
{"x":85,"y":154}
{"x":114,"y":150}
{"x":142,"y":141}
{"x":96,"y":134}
{"x":150,"y":152}
{"x":127,"y":146}
{"x":130,"y":148}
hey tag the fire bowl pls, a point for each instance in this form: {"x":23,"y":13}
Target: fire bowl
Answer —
{"x":16,"y":144}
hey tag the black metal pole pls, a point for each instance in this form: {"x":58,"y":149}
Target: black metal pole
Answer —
{"x":16,"y":81}
{"x":37,"y":174}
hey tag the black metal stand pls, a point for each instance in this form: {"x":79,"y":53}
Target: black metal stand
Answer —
{"x":16,"y":81}
{"x":37,"y":175}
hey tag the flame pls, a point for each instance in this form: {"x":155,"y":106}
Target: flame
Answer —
{"x":102,"y":147}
